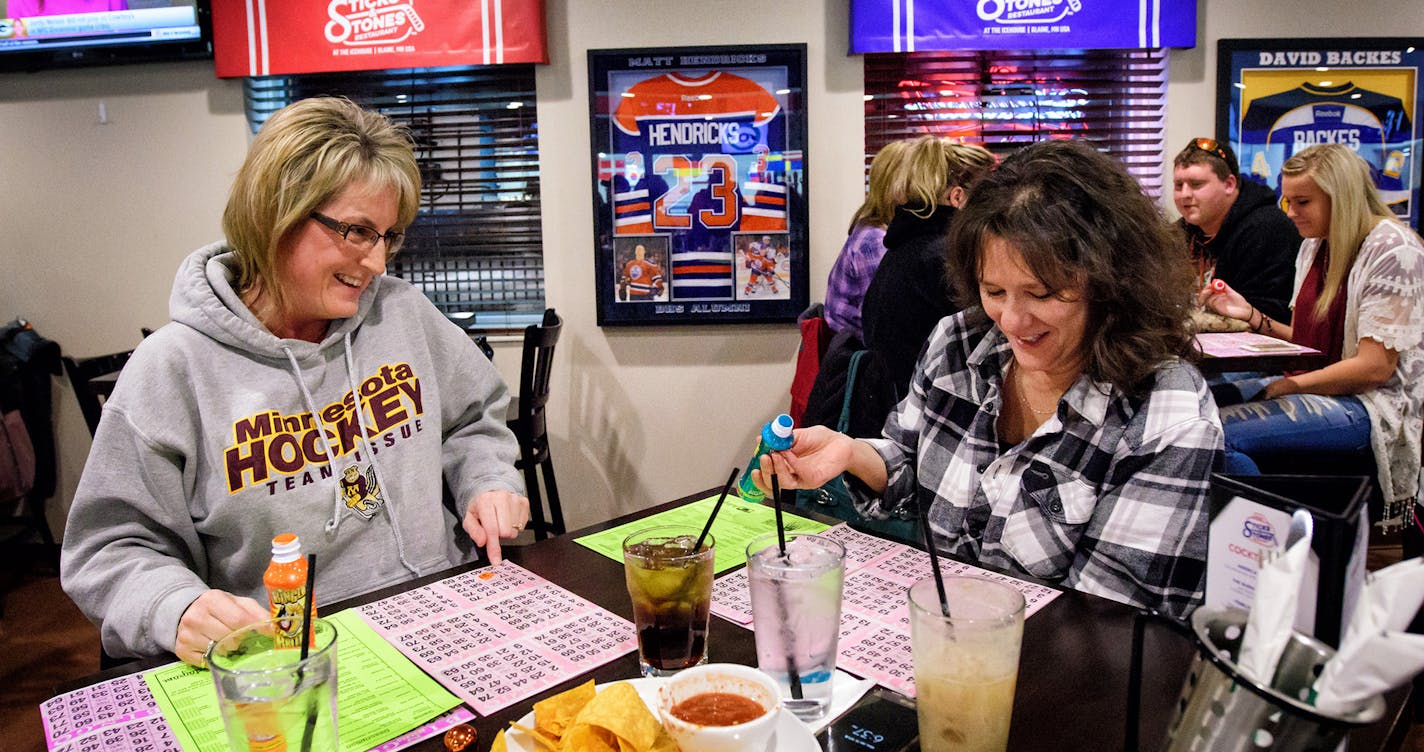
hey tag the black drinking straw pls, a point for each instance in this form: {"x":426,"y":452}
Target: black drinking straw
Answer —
{"x":726,"y":489}
{"x":934,"y":559}
{"x":776,"y":504}
{"x":793,"y":673}
{"x":306,"y":647}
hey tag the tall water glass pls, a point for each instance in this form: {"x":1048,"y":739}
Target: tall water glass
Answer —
{"x":796,"y":602}
{"x":269,"y":697}
{"x":966,"y":664}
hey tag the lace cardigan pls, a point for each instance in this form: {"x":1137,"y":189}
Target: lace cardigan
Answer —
{"x":1385,"y":302}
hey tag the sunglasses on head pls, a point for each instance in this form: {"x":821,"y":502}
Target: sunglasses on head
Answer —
{"x":1210,"y":146}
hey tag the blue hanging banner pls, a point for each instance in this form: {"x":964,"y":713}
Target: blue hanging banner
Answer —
{"x":909,"y":26}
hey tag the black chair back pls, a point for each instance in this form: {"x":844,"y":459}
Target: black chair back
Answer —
{"x":93,"y":381}
{"x":531,"y":427}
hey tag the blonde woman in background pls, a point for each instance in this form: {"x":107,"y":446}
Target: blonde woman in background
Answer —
{"x":909,"y":293}
{"x":863,"y":249}
{"x":1359,"y":298}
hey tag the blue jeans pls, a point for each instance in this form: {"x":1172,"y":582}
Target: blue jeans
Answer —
{"x":1236,"y":387}
{"x":1294,"y":423}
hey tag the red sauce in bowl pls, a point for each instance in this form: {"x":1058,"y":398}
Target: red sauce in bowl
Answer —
{"x":718,"y":709}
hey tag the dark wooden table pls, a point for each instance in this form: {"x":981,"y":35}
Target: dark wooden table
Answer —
{"x":1282,"y":362}
{"x":1264,"y":362}
{"x":1073,"y":671}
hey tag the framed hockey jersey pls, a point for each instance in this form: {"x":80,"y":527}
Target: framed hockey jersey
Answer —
{"x":699,"y":184}
{"x":1278,"y":96}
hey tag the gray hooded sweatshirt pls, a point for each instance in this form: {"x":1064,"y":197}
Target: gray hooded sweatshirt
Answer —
{"x":208,"y":448}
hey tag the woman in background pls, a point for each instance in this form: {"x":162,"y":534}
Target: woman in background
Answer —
{"x":1359,"y":298}
{"x":1052,"y":429}
{"x":908,"y":294}
{"x":863,"y":249}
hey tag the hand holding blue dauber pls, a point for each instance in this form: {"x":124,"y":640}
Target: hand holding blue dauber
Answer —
{"x":775,"y":437}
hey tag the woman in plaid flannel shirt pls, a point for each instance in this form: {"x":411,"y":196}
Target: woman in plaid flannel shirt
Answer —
{"x":1053,"y":428}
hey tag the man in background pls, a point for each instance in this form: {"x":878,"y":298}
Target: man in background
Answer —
{"x":1235,"y":228}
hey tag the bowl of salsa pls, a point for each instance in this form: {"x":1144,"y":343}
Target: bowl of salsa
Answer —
{"x":719,"y":707}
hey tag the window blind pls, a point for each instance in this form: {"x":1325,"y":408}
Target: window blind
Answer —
{"x":1004,"y":99}
{"x":476,"y":247}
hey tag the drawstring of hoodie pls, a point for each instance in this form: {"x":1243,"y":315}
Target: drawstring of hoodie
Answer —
{"x":338,"y":504}
{"x":310,"y":404}
{"x":371,"y":454}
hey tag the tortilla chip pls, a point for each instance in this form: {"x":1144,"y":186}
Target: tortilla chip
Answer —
{"x":584,"y":738}
{"x":619,"y":710}
{"x":554,"y":715}
{"x":499,"y":745}
{"x":540,"y":738}
{"x":664,"y":742}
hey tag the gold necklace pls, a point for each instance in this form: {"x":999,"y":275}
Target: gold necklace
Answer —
{"x":1023,"y":395}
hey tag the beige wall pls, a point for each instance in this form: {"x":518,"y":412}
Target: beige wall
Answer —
{"x":97,"y":216}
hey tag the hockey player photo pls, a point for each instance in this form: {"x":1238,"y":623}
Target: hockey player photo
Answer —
{"x":641,"y":265}
{"x":763,"y":267}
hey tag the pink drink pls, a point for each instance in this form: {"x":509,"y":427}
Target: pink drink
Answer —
{"x":796,"y":603}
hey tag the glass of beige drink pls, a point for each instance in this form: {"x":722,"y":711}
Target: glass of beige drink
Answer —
{"x":966,"y":664}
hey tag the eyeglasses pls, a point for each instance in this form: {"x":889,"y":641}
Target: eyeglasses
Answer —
{"x":361,"y":235}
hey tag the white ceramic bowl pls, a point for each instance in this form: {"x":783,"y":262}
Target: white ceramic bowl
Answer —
{"x":731,"y":678}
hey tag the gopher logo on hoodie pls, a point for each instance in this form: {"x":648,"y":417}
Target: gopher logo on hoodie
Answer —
{"x":275,"y":449}
{"x":362,"y":492}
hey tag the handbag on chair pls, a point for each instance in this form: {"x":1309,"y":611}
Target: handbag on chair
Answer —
{"x":834,"y":498}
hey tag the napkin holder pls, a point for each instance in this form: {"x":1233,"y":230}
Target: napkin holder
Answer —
{"x":1250,"y":514}
{"x":1223,"y":710}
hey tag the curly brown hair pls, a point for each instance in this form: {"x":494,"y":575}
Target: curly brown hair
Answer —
{"x":1082,"y":223}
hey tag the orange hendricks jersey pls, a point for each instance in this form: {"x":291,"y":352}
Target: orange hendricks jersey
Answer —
{"x":714,"y":96}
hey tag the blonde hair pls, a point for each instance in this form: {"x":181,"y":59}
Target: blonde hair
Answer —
{"x":886,"y":189}
{"x":934,"y":165}
{"x":306,"y":154}
{"x":1355,"y":208}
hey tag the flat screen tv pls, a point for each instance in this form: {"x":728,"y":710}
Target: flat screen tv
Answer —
{"x":43,"y":34}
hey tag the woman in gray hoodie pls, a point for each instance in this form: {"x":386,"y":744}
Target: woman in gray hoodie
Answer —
{"x":297,"y":390}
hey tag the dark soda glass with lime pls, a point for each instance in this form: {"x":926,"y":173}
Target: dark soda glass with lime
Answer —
{"x":670,"y":584}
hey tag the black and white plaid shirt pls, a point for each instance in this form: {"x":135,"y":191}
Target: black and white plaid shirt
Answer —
{"x":1108,"y":496}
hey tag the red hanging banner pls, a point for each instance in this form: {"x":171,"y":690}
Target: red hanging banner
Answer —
{"x":276,"y":37}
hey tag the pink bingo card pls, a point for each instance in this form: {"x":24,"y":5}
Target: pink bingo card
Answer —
{"x":494,"y":636}
{"x":118,"y":715}
{"x":875,"y":616}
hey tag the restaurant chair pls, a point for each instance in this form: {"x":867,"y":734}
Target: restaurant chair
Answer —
{"x":483,"y":343}
{"x":531,"y":428}
{"x":89,"y":388}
